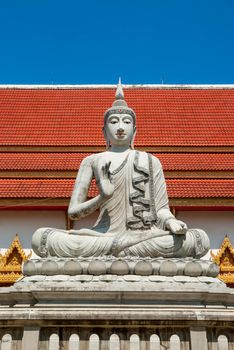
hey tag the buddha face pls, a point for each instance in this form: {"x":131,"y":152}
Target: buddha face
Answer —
{"x":119,"y":129}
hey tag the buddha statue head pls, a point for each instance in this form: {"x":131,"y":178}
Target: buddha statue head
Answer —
{"x":119,"y":122}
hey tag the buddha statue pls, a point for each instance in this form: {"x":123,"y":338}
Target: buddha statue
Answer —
{"x":134,"y":216}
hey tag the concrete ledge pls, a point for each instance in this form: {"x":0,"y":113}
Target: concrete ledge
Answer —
{"x":113,"y":290}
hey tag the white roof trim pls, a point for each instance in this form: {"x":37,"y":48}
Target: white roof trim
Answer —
{"x":113,"y":86}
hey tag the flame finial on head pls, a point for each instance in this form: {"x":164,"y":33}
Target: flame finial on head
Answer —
{"x":119,"y":105}
{"x":119,"y":95}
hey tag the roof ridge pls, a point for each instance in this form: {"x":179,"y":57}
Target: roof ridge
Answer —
{"x":113,"y":86}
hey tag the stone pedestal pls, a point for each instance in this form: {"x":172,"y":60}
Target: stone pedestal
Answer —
{"x":112,"y":311}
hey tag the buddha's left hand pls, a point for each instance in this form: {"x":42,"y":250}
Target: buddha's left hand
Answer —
{"x":176,"y":226}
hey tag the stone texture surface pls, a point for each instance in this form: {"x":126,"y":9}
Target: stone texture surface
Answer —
{"x":30,"y":338}
{"x":116,"y":266}
{"x":198,"y":338}
{"x":119,"y":267}
{"x":192,"y":311}
{"x":119,"y":289}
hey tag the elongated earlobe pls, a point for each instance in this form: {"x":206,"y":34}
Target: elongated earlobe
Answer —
{"x":133,"y":138}
{"x":106,"y":138}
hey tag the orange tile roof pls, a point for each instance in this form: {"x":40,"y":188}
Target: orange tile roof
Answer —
{"x":62,"y":188}
{"x":39,"y":188}
{"x":202,"y":188}
{"x":71,"y":161}
{"x":41,"y":161}
{"x":197,"y":161}
{"x":74,"y":117}
{"x":165,"y":117}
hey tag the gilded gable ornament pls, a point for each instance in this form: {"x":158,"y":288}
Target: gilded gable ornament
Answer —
{"x":225,"y":260}
{"x":11,"y":263}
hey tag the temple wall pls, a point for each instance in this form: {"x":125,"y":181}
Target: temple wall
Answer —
{"x":216,"y":223}
{"x":25,"y":222}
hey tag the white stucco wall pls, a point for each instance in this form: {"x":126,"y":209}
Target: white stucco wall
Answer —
{"x":217,"y":224}
{"x":25,"y":223}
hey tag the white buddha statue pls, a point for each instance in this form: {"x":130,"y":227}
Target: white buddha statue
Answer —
{"x":135,"y":219}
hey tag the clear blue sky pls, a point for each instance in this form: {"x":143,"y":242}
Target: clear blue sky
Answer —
{"x":93,"y":42}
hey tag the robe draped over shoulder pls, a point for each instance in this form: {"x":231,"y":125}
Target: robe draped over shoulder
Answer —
{"x":130,"y":223}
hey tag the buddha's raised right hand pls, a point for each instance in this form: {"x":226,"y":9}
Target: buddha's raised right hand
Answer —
{"x":105,"y":185}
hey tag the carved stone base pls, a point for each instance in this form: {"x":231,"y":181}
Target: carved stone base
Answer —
{"x":41,"y":311}
{"x":120,"y":267}
{"x":155,"y":301}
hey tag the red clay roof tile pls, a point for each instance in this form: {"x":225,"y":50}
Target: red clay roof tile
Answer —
{"x":165,"y":117}
{"x":71,"y":161}
{"x":74,"y":117}
{"x":197,"y":161}
{"x":53,"y":188}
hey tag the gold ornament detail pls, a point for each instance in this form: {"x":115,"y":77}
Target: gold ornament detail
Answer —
{"x":225,"y":260}
{"x":11,"y":263}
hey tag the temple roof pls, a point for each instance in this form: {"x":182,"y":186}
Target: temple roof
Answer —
{"x":71,"y":117}
{"x":62,"y":188}
{"x":35,"y":161}
{"x":47,"y":130}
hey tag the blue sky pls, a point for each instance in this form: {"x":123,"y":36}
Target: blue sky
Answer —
{"x":95,"y":42}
